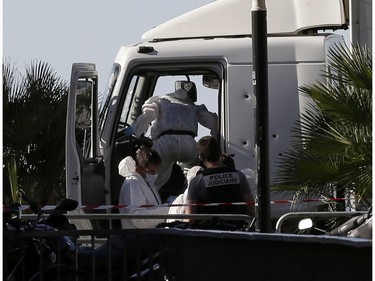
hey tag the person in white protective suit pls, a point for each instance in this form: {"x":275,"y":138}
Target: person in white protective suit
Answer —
{"x":137,"y":190}
{"x":175,"y":119}
{"x":181,"y":200}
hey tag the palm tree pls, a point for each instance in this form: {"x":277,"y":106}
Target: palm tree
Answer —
{"x":34,"y":110}
{"x":332,"y":149}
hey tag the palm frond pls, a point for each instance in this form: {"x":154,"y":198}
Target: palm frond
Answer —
{"x":332,"y":147}
{"x":352,"y":66}
{"x":34,"y":127}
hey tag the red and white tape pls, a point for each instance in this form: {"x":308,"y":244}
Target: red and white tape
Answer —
{"x":107,"y":207}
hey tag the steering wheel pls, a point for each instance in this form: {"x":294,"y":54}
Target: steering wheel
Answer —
{"x":122,"y":137}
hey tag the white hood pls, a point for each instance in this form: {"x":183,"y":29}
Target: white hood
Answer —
{"x":126,"y":167}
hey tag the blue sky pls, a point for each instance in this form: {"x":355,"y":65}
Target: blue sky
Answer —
{"x":61,"y":32}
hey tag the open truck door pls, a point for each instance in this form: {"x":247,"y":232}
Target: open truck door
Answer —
{"x":83,"y":161}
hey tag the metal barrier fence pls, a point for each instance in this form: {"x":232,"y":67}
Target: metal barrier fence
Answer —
{"x":176,"y":254}
{"x":57,"y":255}
{"x":93,"y":254}
{"x":301,"y":215}
{"x":110,"y":216}
{"x":182,"y":254}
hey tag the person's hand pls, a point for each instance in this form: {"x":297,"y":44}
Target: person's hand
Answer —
{"x":129,"y":131}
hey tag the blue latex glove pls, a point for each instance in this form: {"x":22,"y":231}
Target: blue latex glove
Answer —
{"x":129,"y":131}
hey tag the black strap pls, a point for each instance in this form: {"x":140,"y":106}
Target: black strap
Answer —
{"x":178,"y":132}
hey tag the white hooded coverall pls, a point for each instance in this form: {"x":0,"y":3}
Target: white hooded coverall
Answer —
{"x":135,"y":192}
{"x":178,"y":113}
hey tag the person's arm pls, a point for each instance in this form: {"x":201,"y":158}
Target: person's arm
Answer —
{"x":149,"y":223}
{"x":247,"y":195}
{"x":191,"y":198}
{"x":250,"y":209}
{"x":207,"y":119}
{"x":134,"y":197}
{"x":150,"y":113}
{"x":190,"y":208}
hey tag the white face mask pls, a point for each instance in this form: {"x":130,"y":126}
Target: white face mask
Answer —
{"x":151,"y":178}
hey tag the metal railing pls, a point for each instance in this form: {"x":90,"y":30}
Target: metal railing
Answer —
{"x":301,"y":215}
{"x":28,"y":253}
{"x":108,"y":216}
{"x":190,"y":254}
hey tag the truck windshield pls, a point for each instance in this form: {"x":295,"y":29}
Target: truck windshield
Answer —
{"x":103,"y":99}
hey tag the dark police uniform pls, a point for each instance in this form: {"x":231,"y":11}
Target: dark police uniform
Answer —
{"x":219,"y":185}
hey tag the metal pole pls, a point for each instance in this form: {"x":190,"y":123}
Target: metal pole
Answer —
{"x":260,"y":86}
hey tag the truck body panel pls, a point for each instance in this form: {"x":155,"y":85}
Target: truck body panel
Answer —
{"x":233,"y":18}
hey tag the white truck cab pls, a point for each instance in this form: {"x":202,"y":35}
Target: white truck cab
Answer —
{"x":211,"y":46}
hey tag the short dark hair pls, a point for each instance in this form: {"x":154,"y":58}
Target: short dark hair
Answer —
{"x":209,"y":149}
{"x":146,"y":156}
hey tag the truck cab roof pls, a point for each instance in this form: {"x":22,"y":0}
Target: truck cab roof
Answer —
{"x":230,"y":18}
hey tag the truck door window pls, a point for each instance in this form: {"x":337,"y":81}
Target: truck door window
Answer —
{"x":83,"y":114}
{"x":141,"y":88}
{"x":128,"y":101}
{"x":159,"y":81}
